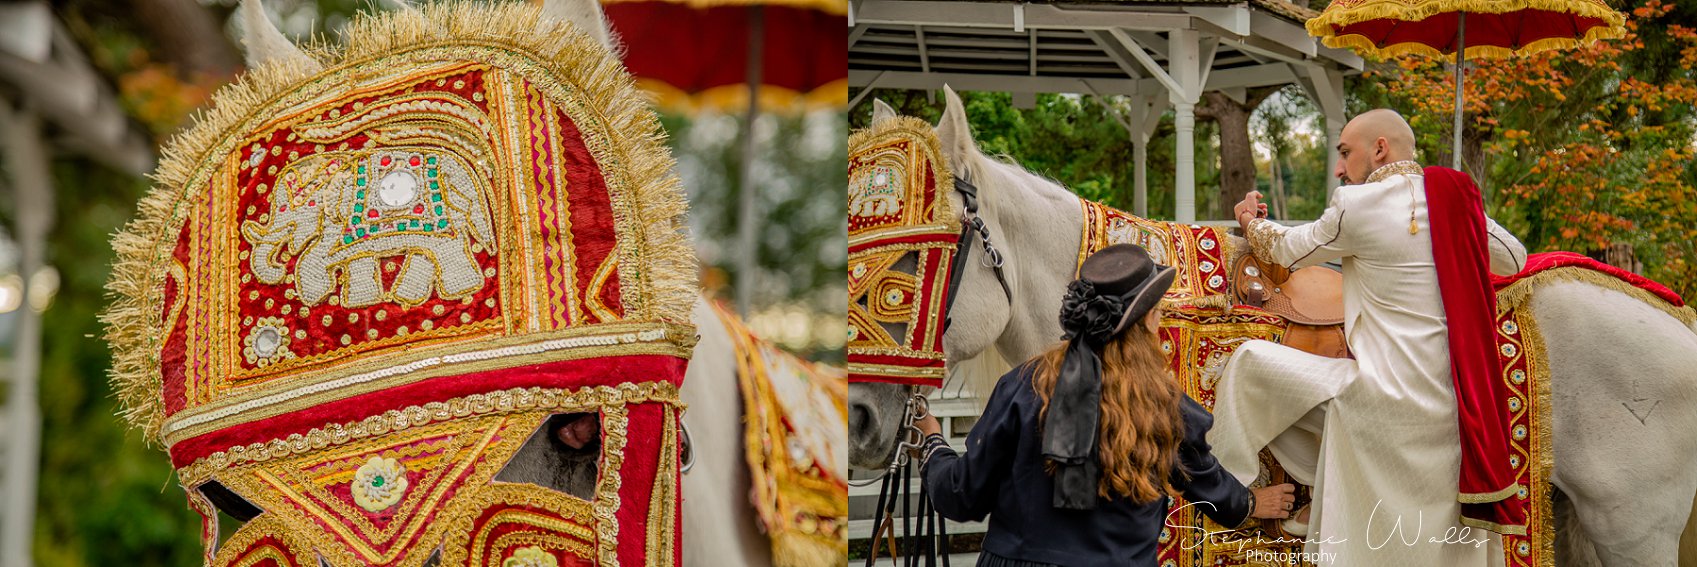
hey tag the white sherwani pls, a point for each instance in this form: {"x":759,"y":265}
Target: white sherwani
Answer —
{"x":1377,"y":436}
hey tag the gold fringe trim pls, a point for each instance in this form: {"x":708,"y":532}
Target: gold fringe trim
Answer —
{"x":799,"y":550}
{"x":665,"y":274}
{"x":1325,"y":26}
{"x":910,"y":127}
{"x":1515,"y":296}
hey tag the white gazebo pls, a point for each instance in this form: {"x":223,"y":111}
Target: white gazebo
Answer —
{"x":1155,"y":54}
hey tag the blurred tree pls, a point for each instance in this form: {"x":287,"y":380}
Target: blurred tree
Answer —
{"x":1070,"y":139}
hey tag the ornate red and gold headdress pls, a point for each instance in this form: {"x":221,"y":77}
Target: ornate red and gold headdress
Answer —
{"x":902,"y":240}
{"x":369,"y":273}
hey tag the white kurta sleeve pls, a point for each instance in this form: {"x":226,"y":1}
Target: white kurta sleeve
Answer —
{"x":1301,"y":246}
{"x":1508,"y":256}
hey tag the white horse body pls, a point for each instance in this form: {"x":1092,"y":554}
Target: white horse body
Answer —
{"x":1612,"y":358}
{"x":720,"y":527}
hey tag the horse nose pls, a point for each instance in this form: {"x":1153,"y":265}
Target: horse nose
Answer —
{"x":860,"y":420}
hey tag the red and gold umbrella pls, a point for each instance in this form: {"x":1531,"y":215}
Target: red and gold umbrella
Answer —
{"x":694,"y":54}
{"x":1467,"y":29}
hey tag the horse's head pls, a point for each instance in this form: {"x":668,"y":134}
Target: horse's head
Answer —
{"x":373,"y":422}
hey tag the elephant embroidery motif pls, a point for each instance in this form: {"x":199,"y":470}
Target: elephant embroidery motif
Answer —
{"x":337,"y":214}
{"x":877,"y":193}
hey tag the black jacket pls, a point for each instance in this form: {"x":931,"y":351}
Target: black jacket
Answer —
{"x":1001,"y":475}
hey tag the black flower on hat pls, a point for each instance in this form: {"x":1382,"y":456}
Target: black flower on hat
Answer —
{"x":1086,"y":313}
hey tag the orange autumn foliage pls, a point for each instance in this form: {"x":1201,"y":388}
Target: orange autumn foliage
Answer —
{"x":1582,"y":148}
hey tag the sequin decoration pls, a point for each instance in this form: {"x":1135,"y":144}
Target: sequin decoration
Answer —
{"x":379,"y":484}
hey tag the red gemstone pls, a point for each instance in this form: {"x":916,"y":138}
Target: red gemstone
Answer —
{"x":418,"y":209}
{"x":414,"y":161}
{"x":371,"y":213}
{"x":283,"y":208}
{"x":311,"y":202}
{"x":386,"y":160}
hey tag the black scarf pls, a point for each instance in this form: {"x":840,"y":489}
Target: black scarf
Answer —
{"x":1075,"y":407}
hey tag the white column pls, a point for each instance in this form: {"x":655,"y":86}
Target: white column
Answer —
{"x":27,"y":159}
{"x":1184,"y":64}
{"x":1140,"y":156}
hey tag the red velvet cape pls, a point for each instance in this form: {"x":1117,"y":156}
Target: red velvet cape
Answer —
{"x":1488,"y":491}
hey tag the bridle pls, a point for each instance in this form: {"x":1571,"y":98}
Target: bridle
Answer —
{"x":932,"y":537}
{"x":972,"y":225}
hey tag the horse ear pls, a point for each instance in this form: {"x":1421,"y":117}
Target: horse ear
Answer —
{"x":585,"y":14}
{"x":262,"y":43}
{"x":881,"y":111}
{"x":953,"y":131}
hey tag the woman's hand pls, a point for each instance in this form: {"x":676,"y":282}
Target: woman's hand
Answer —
{"x":1273,"y":502}
{"x":928,"y":425}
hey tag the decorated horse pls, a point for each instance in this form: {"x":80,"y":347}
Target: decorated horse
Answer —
{"x":1602,"y":364}
{"x":372,"y":278}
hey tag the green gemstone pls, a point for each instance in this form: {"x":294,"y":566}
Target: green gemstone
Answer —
{"x":362,"y":169}
{"x":377,"y":481}
{"x":430,"y":228}
{"x":433,"y":173}
{"x":413,"y":224}
{"x":430,"y":160}
{"x":360,"y":232}
{"x":347,"y":239}
{"x":434,"y":185}
{"x":359,"y":194}
{"x":359,"y":207}
{"x":442,"y":223}
{"x":436,"y":197}
{"x":438,"y":209}
{"x":361,"y":182}
{"x":353,"y":220}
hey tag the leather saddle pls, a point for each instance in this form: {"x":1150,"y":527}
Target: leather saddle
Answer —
{"x":1310,"y":299}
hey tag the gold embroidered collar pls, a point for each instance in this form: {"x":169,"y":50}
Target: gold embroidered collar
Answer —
{"x":1405,"y":167}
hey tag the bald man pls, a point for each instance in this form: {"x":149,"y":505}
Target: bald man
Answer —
{"x":1377,"y":436}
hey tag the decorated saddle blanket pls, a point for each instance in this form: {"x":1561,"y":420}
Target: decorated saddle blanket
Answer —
{"x":794,"y":415}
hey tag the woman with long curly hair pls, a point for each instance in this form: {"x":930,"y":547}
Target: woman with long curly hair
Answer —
{"x":1079,"y":448}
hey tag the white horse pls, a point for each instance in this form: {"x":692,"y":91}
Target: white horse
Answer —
{"x":1624,"y":470}
{"x":720,"y":527}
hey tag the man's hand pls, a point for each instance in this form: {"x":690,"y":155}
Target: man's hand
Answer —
{"x":928,"y":425}
{"x":1248,"y":209}
{"x":1273,"y":502}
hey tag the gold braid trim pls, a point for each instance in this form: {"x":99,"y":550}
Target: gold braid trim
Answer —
{"x":1404,"y":167}
{"x":515,"y":400}
{"x":661,"y":285}
{"x":1532,"y":347}
{"x":1515,"y":296}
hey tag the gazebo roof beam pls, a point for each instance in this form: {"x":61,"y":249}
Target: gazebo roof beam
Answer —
{"x":1014,"y":80}
{"x":1142,"y":56}
{"x":1116,"y":52}
{"x":1232,"y":19}
{"x":1002,"y":16}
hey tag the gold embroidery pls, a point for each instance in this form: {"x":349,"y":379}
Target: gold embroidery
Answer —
{"x":1263,"y":236}
{"x":1405,"y":167}
{"x":513,"y":400}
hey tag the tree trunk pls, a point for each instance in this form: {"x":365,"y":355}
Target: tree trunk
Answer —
{"x":189,"y":36}
{"x":1237,"y":158}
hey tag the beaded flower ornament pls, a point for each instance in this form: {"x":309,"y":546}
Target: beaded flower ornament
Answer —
{"x":369,"y":273}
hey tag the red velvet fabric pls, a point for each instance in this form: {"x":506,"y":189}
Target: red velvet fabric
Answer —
{"x":591,"y":213}
{"x":1462,"y":257}
{"x":1511,"y":30}
{"x":571,"y":374}
{"x":642,"y":459}
{"x":694,"y":50}
{"x":1539,"y":262}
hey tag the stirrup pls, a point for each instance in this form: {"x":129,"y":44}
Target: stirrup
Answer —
{"x":1293,"y":527}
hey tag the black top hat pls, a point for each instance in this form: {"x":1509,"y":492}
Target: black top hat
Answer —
{"x":1116,"y":287}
